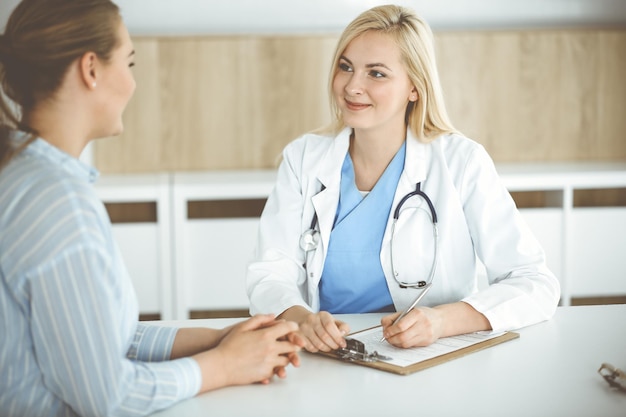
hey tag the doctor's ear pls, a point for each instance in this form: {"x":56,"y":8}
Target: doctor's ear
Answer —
{"x":88,"y":67}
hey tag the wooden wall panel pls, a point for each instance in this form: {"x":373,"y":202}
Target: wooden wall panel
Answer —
{"x":223,"y":103}
{"x":538,"y":96}
{"x":233,"y":102}
{"x":612,"y":93}
{"x":139,"y":148}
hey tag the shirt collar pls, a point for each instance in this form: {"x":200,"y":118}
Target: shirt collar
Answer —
{"x":417,"y":159}
{"x":41,"y":149}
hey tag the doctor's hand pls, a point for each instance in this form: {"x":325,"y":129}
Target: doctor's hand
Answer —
{"x":424,"y":325}
{"x":318,"y":331}
{"x":252,"y":351}
{"x":420,"y":327}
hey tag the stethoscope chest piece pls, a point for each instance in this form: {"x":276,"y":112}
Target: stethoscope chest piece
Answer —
{"x":309,"y":240}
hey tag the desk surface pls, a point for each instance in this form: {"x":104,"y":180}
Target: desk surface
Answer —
{"x":551,"y":370}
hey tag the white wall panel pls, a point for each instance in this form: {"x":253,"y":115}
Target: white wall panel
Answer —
{"x":139,"y":243}
{"x":547,"y":226}
{"x":598,"y":251}
{"x":193,"y":17}
{"x":216,"y":257}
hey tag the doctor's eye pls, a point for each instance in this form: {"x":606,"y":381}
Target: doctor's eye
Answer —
{"x":377,"y":74}
{"x":345,"y":67}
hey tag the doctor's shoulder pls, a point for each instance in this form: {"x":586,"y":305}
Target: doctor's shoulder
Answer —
{"x":459,"y":150}
{"x":309,"y":146}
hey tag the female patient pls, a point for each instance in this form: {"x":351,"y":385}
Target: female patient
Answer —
{"x":389,"y":202}
{"x":71,"y":343}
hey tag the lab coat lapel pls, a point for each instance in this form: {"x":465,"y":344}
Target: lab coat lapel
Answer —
{"x":325,"y":205}
{"x":325,"y":202}
{"x":416,"y":164}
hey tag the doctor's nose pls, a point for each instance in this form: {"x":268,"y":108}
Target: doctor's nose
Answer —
{"x":354,"y":87}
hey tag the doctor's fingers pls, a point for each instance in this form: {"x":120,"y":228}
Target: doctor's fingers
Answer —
{"x":411,"y":338}
{"x":387,"y":321}
{"x":315,"y":335}
{"x":344,"y":329}
{"x":391,"y":327}
{"x":414,"y":329}
{"x":330,"y":331}
{"x":312,"y":343}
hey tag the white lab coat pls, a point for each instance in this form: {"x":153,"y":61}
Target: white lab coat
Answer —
{"x":476,"y":218}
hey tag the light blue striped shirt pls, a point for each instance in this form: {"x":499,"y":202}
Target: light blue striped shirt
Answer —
{"x":70,"y":340}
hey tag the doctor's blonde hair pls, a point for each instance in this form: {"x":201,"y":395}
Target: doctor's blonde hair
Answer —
{"x":427,"y":117}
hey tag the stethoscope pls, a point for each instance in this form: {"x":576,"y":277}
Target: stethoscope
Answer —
{"x":309,"y":240}
{"x":311,"y":237}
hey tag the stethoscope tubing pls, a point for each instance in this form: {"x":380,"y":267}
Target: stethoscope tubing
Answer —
{"x":433,"y":213}
{"x":310,"y":237}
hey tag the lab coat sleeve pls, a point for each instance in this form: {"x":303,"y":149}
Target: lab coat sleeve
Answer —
{"x":275,"y":281}
{"x":522,"y":290}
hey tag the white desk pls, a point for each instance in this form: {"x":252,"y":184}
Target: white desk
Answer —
{"x":551,"y":370}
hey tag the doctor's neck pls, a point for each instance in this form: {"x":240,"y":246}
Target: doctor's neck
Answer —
{"x":371,"y":155}
{"x":369,"y":145}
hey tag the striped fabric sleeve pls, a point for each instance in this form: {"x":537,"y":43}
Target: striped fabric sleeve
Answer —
{"x":77,"y":309}
{"x":152,"y":343}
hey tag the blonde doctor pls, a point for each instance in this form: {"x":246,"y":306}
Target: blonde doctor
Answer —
{"x":391,"y":201}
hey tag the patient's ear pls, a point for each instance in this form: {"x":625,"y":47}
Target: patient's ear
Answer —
{"x":88,"y":67}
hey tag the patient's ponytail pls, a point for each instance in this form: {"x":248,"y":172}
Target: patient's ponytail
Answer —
{"x":42,"y":38}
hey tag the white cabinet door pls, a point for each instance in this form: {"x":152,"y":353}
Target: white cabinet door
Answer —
{"x":217,"y":252}
{"x":598,"y":251}
{"x":138,"y":243}
{"x":547,"y":226}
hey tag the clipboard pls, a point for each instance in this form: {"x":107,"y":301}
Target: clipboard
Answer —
{"x":360,"y":352}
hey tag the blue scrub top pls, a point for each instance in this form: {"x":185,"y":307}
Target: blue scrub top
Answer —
{"x":353,"y":280}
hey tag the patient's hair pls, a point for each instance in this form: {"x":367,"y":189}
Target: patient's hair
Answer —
{"x":41,"y":39}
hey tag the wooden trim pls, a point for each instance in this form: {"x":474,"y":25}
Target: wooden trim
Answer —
{"x":588,"y":301}
{"x":149,"y":316}
{"x":606,"y":197}
{"x":218,"y":314}
{"x":132,"y":212}
{"x":217,"y":209}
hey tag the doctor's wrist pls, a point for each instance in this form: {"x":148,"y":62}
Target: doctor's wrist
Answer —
{"x":297,"y":314}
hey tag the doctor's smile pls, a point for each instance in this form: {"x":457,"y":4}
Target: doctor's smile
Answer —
{"x":356,"y":106}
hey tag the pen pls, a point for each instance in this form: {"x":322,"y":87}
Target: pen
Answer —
{"x":412,"y":306}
